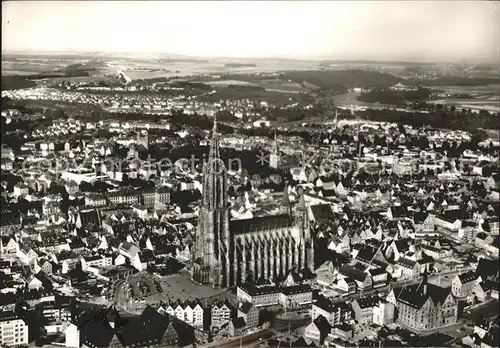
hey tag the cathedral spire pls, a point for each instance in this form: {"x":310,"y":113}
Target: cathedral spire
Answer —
{"x":214,"y":129}
{"x":302,"y":199}
{"x":285,"y":202}
{"x":214,"y":143}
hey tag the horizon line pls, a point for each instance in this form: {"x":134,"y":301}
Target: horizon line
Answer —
{"x":126,"y":54}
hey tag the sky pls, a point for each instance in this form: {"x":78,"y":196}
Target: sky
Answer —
{"x":372,"y":30}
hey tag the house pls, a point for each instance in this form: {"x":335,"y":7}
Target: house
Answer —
{"x":397,"y":249}
{"x":318,"y":330}
{"x":363,"y":309}
{"x":491,"y":339}
{"x":39,"y":281}
{"x":95,"y":200}
{"x":481,"y":327}
{"x":487,"y":269}
{"x":249,"y":313}
{"x":367,"y":254}
{"x":435,"y":252}
{"x":423,"y":223}
{"x":220,"y":313}
{"x":26,"y":255}
{"x":335,"y":313}
{"x":493,"y":182}
{"x":340,"y":245}
{"x":188,"y":312}
{"x":362,"y":279}
{"x":424,"y":306}
{"x":406,"y":269}
{"x":140,"y":210}
{"x":343,"y":331}
{"x":13,"y":330}
{"x":236,"y":326}
{"x":379,"y":277}
{"x":295,"y":295}
{"x":46,"y":266}
{"x":287,"y":296}
{"x":463,"y":284}
{"x":397,"y":213}
{"x":347,"y":285}
{"x":482,"y":291}
{"x":450,"y":221}
{"x":21,"y":189}
{"x":383,"y":313}
{"x":8,"y":246}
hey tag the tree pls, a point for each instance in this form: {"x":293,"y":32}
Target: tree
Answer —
{"x":85,"y":187}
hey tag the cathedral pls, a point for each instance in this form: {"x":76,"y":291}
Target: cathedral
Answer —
{"x":229,"y":252}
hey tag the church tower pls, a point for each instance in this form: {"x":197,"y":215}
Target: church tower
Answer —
{"x":306,"y":247}
{"x":274,"y":157}
{"x":143,"y":138}
{"x":212,"y":246}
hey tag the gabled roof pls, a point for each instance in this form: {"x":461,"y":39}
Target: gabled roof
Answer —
{"x":399,"y":211}
{"x":402,"y":245}
{"x":239,"y":323}
{"x":415,"y":296}
{"x":367,"y":302}
{"x":377,"y":271}
{"x":366,"y":253}
{"x":353,"y":273}
{"x":406,"y":262}
{"x":420,"y":217}
{"x":487,"y":268}
{"x":467,"y":277}
{"x":322,"y":324}
{"x":487,"y":285}
{"x":97,"y":334}
{"x":245,"y":307}
{"x":145,"y":330}
{"x":322,"y":212}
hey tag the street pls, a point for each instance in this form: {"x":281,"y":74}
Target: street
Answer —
{"x":243,"y":341}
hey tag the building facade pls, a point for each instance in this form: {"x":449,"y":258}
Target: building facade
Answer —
{"x":13,"y":330}
{"x":425,"y":306}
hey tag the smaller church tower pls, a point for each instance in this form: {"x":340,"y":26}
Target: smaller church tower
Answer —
{"x":143,"y":138}
{"x":274,"y":157}
{"x":422,"y":288}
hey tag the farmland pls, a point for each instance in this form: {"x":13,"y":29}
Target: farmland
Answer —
{"x":485,"y":97}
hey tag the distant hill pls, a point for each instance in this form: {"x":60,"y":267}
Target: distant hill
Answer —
{"x":326,"y":63}
{"x":458,"y":81}
{"x":240,"y":65}
{"x":341,"y":80}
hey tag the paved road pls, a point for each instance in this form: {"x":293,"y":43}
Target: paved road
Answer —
{"x":250,"y":340}
{"x":487,"y":310}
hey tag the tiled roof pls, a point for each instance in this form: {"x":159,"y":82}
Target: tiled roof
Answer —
{"x":367,"y":302}
{"x":264,"y":223}
{"x":415,"y":297}
{"x":467,"y":277}
{"x":322,"y":212}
